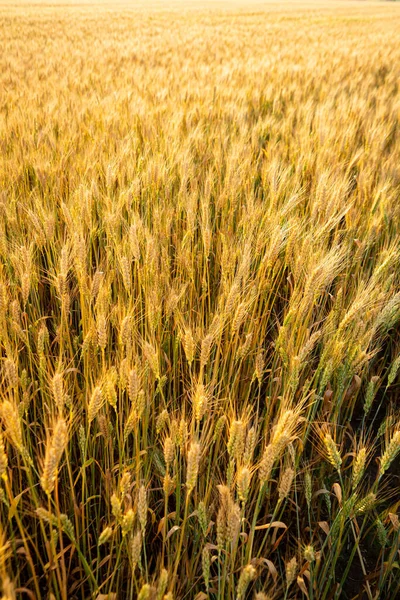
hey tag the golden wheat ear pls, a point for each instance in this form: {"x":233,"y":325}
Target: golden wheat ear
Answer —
{"x":55,"y":447}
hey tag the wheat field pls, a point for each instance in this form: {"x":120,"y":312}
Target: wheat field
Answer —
{"x":199,"y":300}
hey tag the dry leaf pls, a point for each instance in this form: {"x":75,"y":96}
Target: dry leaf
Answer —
{"x":172,"y":531}
{"x":276,"y":524}
{"x":302,"y":585}
{"x":324,"y":526}
{"x":338,"y":492}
